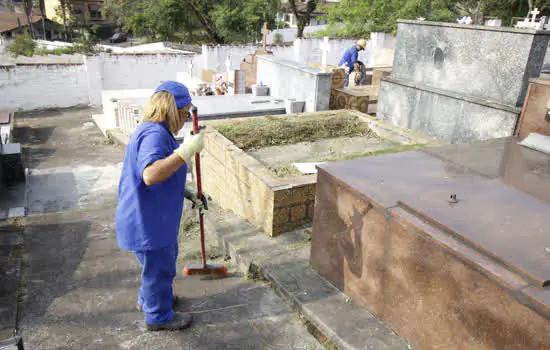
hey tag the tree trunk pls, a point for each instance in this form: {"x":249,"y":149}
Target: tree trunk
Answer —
{"x":301,"y":26}
{"x":205,"y":21}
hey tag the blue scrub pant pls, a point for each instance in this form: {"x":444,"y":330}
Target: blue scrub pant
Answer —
{"x":155,"y":294}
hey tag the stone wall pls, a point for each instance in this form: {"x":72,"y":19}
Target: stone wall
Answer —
{"x":487,"y":62}
{"x":448,"y":117}
{"x":460,"y":83}
{"x":288,"y":79}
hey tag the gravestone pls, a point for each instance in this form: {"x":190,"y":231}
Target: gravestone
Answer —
{"x":460,"y":83}
{"x":325,"y":48}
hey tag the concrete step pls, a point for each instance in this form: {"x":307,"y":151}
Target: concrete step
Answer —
{"x":284,"y":262}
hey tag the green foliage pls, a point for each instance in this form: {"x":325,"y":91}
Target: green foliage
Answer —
{"x":23,"y":45}
{"x":361,"y":17}
{"x":236,"y":21}
{"x":277,"y":38}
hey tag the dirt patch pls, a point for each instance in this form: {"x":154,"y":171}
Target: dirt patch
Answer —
{"x":255,"y":133}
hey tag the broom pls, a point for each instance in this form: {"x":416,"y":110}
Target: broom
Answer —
{"x":201,"y":269}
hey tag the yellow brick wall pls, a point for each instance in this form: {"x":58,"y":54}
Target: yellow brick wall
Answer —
{"x":239,"y":183}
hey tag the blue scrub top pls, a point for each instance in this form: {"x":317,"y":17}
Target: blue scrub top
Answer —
{"x":351,"y":56}
{"x":148,"y":217}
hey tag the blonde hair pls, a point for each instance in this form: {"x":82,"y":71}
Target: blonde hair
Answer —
{"x":161,"y":107}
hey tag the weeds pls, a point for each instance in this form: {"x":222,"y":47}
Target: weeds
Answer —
{"x":280,"y":130}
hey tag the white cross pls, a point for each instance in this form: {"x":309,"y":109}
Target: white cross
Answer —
{"x":228,"y":63}
{"x":534,"y":13}
{"x":297,"y":49}
{"x":325,"y":48}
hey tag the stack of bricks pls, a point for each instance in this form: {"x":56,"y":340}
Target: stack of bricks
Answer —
{"x":240,"y":183}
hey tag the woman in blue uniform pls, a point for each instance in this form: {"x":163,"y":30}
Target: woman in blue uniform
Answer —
{"x":150,"y":200}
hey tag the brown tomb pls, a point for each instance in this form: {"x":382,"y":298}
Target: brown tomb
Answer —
{"x":474,"y":274}
{"x":535,"y":116}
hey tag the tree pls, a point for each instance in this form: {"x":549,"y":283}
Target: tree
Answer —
{"x":302,"y":16}
{"x":361,"y":17}
{"x":219,"y":21}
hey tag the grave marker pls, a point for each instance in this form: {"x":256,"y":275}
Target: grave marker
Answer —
{"x":325,"y":48}
{"x":534,"y":13}
{"x":265,"y":32}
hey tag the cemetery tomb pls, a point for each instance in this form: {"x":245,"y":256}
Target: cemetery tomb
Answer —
{"x":448,"y":246}
{"x":123,"y":109}
{"x":460,"y":83}
{"x":263,"y":168}
{"x":289,"y":79}
{"x":535,"y":117}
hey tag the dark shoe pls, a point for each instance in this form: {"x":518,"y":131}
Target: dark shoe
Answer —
{"x":178,"y":322}
{"x":175,"y":301}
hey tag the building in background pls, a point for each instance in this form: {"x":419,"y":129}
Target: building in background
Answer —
{"x":84,"y":12}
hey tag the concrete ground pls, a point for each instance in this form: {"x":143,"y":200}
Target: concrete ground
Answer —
{"x":78,"y":290}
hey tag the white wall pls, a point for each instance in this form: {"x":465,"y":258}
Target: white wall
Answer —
{"x":29,"y":87}
{"x":140,"y":71}
{"x":40,"y":86}
{"x":214,"y":57}
{"x":289,"y":34}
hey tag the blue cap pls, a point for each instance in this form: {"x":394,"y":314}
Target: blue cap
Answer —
{"x":178,"y":90}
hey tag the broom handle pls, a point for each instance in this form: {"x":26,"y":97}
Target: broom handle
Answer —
{"x":195,"y":120}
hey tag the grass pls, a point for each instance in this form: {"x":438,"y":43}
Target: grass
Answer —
{"x":395,"y":149}
{"x":267,"y":131}
{"x":285,"y":170}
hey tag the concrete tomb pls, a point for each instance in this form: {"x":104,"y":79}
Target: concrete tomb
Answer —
{"x":289,"y":79}
{"x":448,"y":246}
{"x":460,"y":83}
{"x":535,"y":117}
{"x":130,"y":103}
{"x":251,"y":166}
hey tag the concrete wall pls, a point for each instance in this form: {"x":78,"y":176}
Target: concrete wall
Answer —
{"x":29,"y":87}
{"x":300,"y":82}
{"x":289,"y":34}
{"x":41,"y":86}
{"x":379,"y":52}
{"x":447,"y":117}
{"x":487,"y":62}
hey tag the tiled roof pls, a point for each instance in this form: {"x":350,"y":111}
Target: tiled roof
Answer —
{"x":8,"y":20}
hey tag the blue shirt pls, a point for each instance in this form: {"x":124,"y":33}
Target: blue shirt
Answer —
{"x":148,"y":217}
{"x":350,"y":57}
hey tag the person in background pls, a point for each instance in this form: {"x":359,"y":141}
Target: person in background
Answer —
{"x":351,"y":58}
{"x":150,"y":201}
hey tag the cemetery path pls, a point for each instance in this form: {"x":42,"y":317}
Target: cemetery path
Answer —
{"x":78,"y":290}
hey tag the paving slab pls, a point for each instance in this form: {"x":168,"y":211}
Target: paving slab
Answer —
{"x":284,"y":262}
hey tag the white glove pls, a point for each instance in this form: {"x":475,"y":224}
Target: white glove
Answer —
{"x":188,"y":149}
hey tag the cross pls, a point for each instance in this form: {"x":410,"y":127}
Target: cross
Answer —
{"x":265,"y":31}
{"x":534,"y":13}
{"x":325,"y":47}
{"x":228,"y":64}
